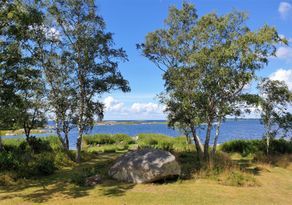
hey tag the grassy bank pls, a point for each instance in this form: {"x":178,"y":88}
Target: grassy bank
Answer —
{"x":235,"y":178}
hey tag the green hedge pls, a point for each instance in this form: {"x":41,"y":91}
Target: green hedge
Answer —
{"x":246,"y":147}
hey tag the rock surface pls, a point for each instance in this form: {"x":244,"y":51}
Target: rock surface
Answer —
{"x":145,"y":165}
{"x":93,"y":180}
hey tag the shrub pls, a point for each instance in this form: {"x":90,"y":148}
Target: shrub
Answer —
{"x":246,"y":147}
{"x":99,"y":139}
{"x":79,"y":178}
{"x":107,"y":139}
{"x":280,"y":146}
{"x":38,"y":145}
{"x":7,"y":179}
{"x":123,"y":138}
{"x":8,"y":161}
{"x":44,"y":165}
{"x":35,"y":158}
{"x":238,"y":178}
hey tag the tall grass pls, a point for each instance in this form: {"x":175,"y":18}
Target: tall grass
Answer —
{"x":107,"y":139}
{"x":164,"y":142}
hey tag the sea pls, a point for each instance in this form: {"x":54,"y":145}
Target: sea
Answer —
{"x":231,"y":129}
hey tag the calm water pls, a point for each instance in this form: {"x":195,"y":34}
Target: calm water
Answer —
{"x":231,"y":129}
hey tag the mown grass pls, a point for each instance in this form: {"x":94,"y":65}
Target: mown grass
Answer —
{"x":274,"y":188}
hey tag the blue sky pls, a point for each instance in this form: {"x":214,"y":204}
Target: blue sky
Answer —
{"x":131,"y":20}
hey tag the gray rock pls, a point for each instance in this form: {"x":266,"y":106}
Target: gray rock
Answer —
{"x":145,"y":165}
{"x":93,"y":180}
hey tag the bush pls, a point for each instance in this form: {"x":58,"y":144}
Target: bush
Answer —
{"x":8,"y":161}
{"x":238,"y":178}
{"x":38,"y":145}
{"x":98,"y":139}
{"x":7,"y":179}
{"x":79,"y":178}
{"x":44,"y":165}
{"x":280,"y":146}
{"x":123,"y":138}
{"x":246,"y":147}
{"x":107,"y":139}
{"x":156,"y":141}
{"x":28,"y":159}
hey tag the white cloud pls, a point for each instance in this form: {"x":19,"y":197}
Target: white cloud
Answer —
{"x":285,"y":9}
{"x":283,"y":75}
{"x":284,"y":53}
{"x":145,"y":107}
{"x":112,"y":104}
{"x":115,"y":110}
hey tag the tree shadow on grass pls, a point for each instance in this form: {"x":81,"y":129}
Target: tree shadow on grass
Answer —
{"x":114,"y":188}
{"x":42,"y":189}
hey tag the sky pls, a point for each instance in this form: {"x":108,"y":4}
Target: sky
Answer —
{"x":131,"y":20}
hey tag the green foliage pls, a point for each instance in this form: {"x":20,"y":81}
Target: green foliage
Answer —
{"x":32,"y":158}
{"x":238,"y":178}
{"x":207,"y":62}
{"x":157,"y":141}
{"x":275,"y":100}
{"x":7,"y":179}
{"x":164,"y":142}
{"x":80,"y":177}
{"x":123,"y":138}
{"x":108,"y":148}
{"x":38,"y":145}
{"x":41,"y":165}
{"x":107,"y":139}
{"x":246,"y":147}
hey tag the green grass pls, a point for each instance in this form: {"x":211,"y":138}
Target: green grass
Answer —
{"x":232,"y":180}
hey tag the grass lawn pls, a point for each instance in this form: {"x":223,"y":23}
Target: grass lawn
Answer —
{"x":275,"y":188}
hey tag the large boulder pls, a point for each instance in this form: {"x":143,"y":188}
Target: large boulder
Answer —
{"x":145,"y":165}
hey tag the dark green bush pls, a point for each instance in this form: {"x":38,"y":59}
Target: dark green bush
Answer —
{"x":8,"y":161}
{"x":44,"y":164}
{"x":28,"y":159}
{"x":38,"y":145}
{"x":79,"y":178}
{"x":246,"y":147}
{"x":243,"y":147}
{"x":280,"y":146}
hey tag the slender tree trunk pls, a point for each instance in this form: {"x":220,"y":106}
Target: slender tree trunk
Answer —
{"x":27,"y":130}
{"x":216,"y":136}
{"x":198,"y":144}
{"x":59,"y":133}
{"x":78,"y":145}
{"x":268,"y":135}
{"x":1,"y":145}
{"x":67,"y":141}
{"x":207,"y":141}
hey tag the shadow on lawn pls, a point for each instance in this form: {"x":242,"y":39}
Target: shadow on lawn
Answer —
{"x":45,"y":188}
